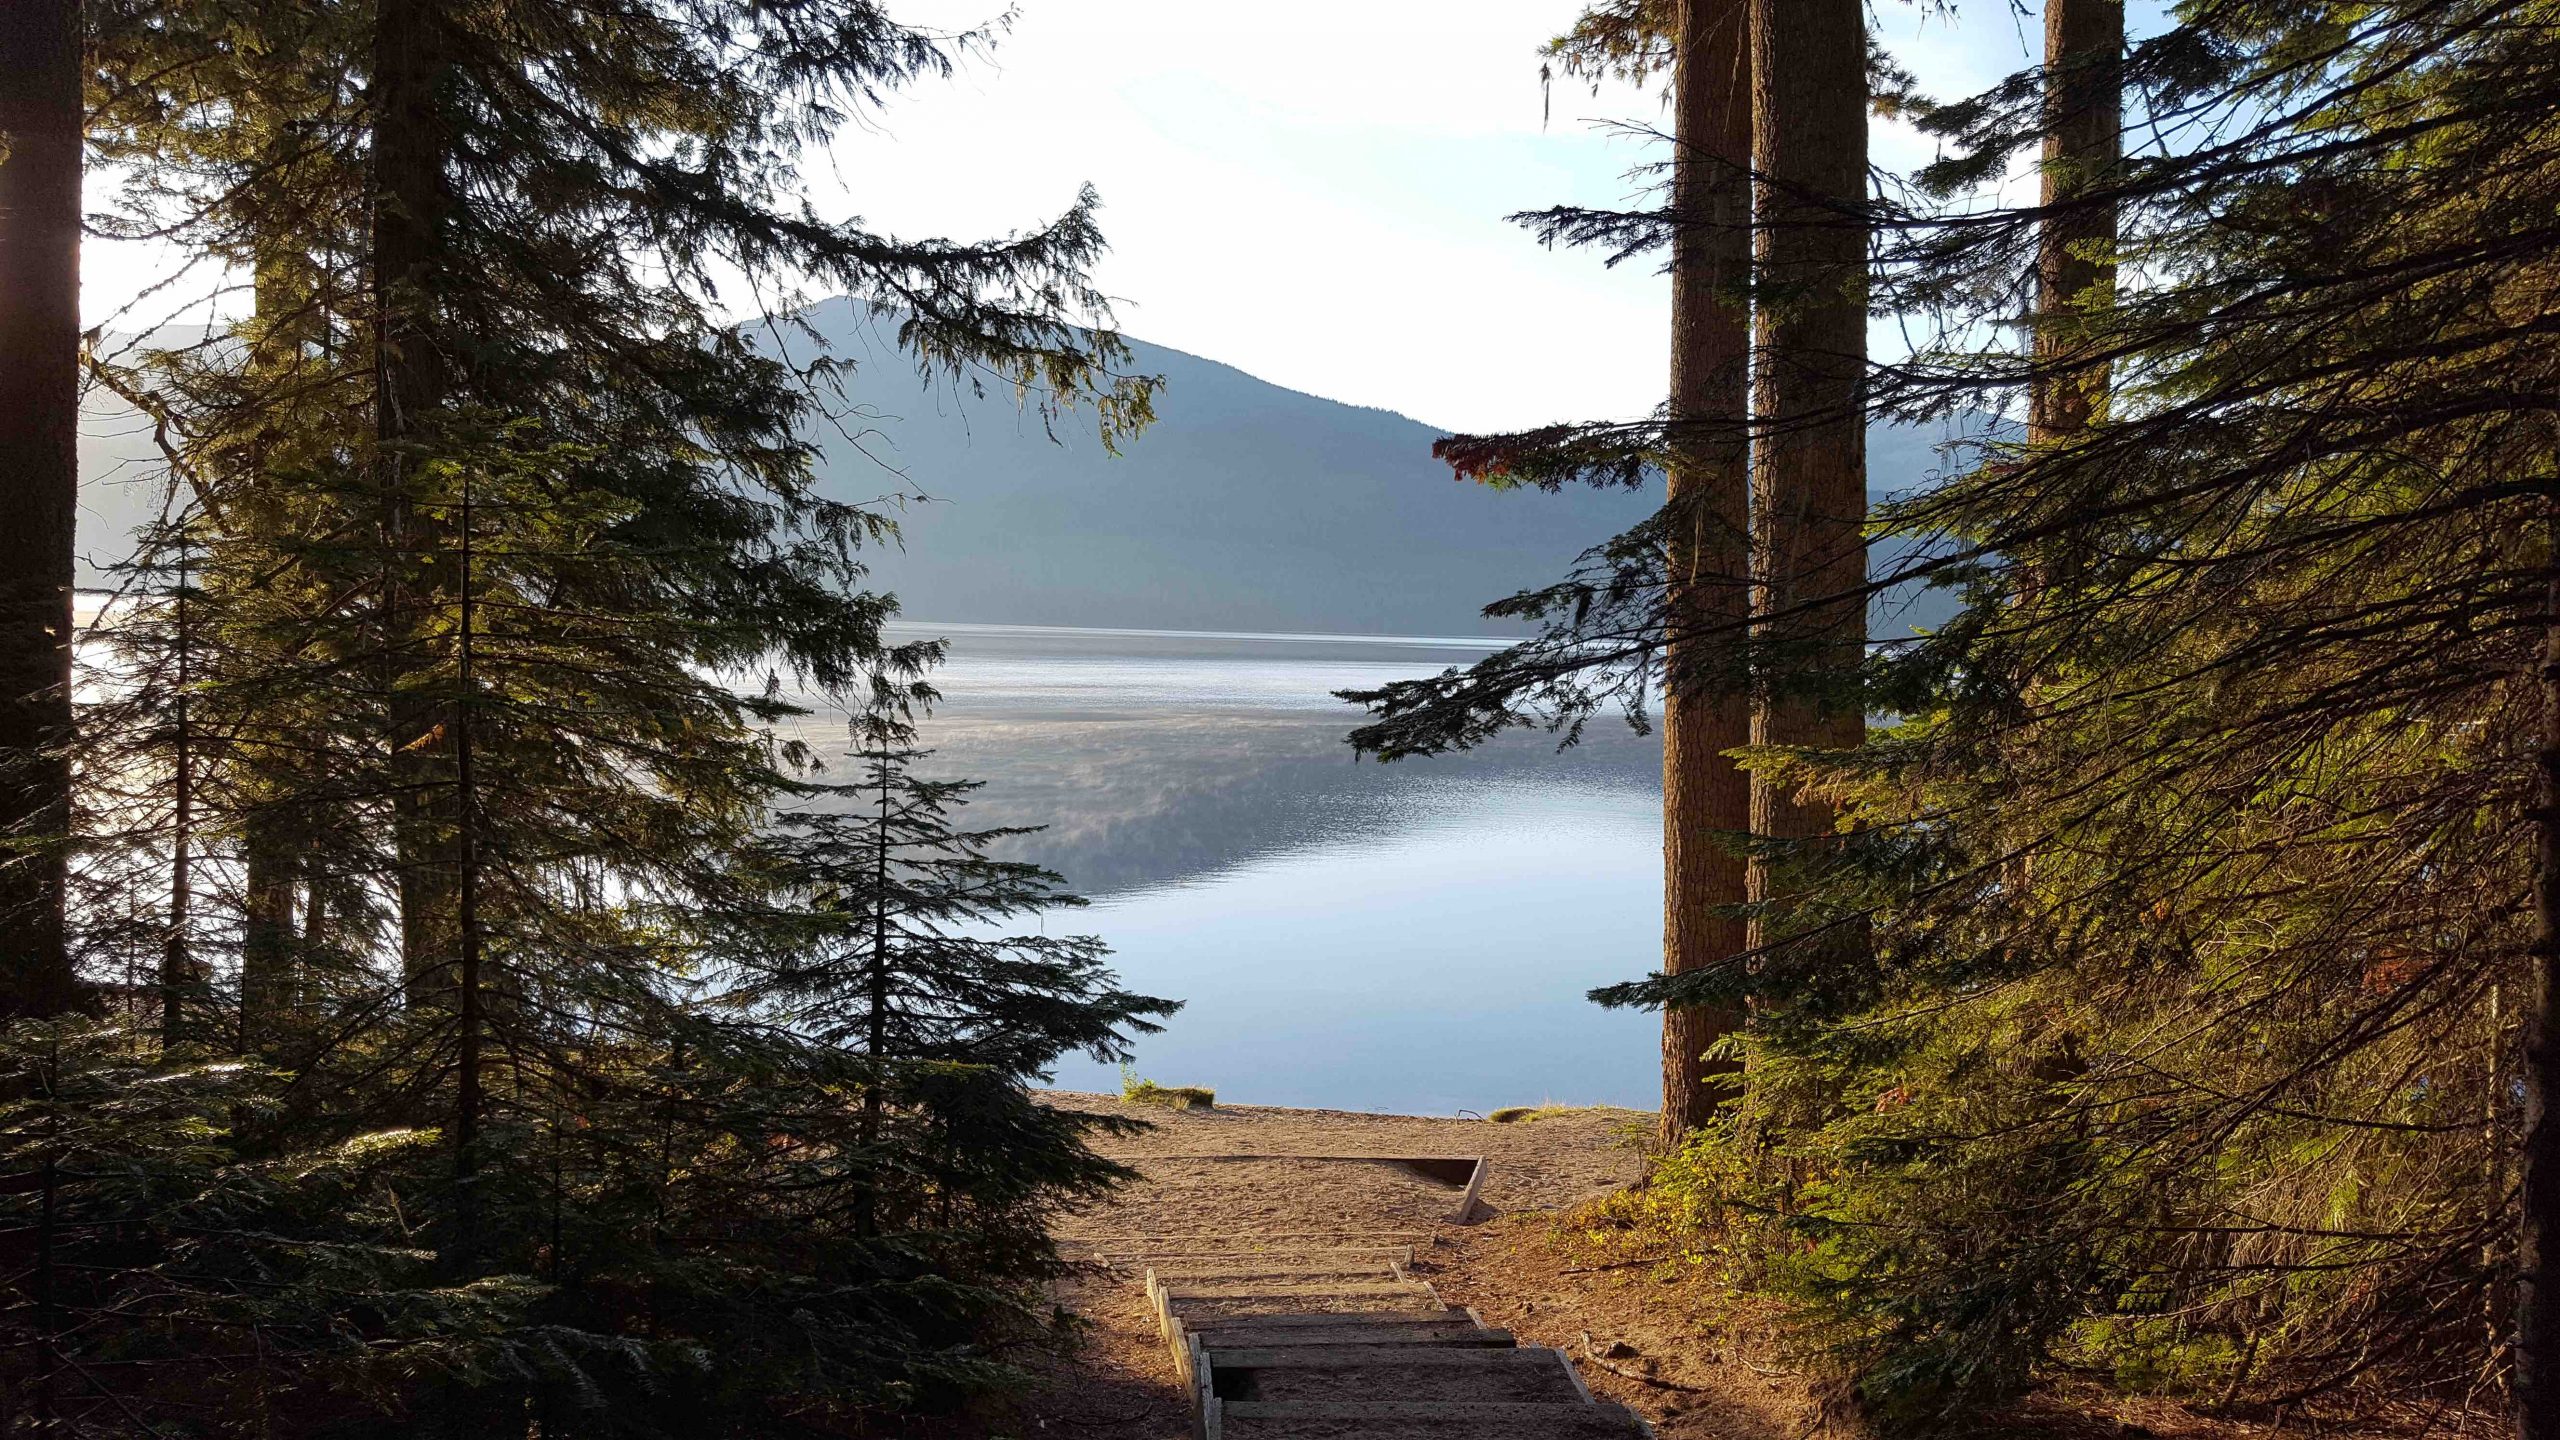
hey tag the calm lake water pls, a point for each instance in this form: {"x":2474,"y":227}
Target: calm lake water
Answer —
{"x":1414,"y":937}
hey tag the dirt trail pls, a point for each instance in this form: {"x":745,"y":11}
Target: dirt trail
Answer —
{"x":1238,"y":1178}
{"x":1231,"y":1178}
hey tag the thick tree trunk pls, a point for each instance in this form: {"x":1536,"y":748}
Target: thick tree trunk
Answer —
{"x":40,"y":140}
{"x":410,"y":204}
{"x":268,"y":954}
{"x":266,"y":933}
{"x":2537,"y":1339}
{"x":1809,"y":485}
{"x":1706,"y":797}
{"x":2075,"y":265}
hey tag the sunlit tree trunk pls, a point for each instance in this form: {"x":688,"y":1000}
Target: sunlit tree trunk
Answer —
{"x":40,"y":140}
{"x":1809,"y":486}
{"x":2075,"y":244}
{"x":266,"y":933}
{"x":1706,"y":798}
{"x":410,"y":204}
{"x":268,"y":861}
{"x":2075,"y":247}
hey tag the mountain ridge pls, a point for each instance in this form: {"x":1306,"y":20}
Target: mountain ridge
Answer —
{"x":1247,"y":506}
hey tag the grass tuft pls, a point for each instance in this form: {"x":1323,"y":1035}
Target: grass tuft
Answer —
{"x":1529,"y":1114}
{"x":1134,"y":1091}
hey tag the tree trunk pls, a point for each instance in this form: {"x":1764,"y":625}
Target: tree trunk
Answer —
{"x":1706,"y":798}
{"x":410,"y":204}
{"x":468,"y":979}
{"x":2075,"y":265}
{"x":177,"y":958}
{"x":266,"y":932}
{"x":2537,"y":1340}
{"x":867,"y":1200}
{"x":40,"y":140}
{"x":268,"y":956}
{"x":1809,"y":489}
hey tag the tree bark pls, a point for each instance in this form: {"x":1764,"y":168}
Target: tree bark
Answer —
{"x":40,"y":132}
{"x":268,"y":957}
{"x":410,"y":206}
{"x":1706,"y":797}
{"x":266,"y":933}
{"x":876,"y":1050}
{"x":177,"y":958}
{"x":469,"y":1021}
{"x":2075,"y":264}
{"x":1809,"y":489}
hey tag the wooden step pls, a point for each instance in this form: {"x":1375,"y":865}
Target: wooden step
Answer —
{"x":1393,"y":1373}
{"x":1350,"y":1330}
{"x":1199,"y":1308}
{"x":1283,"y":1269}
{"x":1213,"y":1288}
{"x":1140,"y":1257}
{"x":1419,"y":1420}
{"x":1221,"y":1242}
{"x":1281,"y":1318}
{"x":1208,"y":1299}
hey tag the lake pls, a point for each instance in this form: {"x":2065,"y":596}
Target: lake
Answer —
{"x":1414,"y":937}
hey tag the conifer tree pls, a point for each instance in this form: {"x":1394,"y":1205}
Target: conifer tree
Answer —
{"x":41,"y":116}
{"x":483,"y":551}
{"x":1705,"y":712}
{"x":2076,"y":236}
{"x":2235,"y":1093}
{"x":883,"y":953}
{"x":1809,"y":473}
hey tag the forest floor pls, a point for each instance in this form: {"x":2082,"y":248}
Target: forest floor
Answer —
{"x":1685,"y":1358}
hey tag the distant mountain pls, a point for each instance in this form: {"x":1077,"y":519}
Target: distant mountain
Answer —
{"x":1245,"y":507}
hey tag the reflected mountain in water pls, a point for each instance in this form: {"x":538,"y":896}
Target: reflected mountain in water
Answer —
{"x":1159,"y":758}
{"x":1414,"y":937}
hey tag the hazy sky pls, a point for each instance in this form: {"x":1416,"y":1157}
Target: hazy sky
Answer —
{"x":1313,"y":192}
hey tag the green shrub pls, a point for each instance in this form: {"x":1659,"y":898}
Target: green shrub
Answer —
{"x":1135,"y":1091}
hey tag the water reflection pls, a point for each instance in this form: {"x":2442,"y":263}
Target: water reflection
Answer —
{"x":1411,"y":937}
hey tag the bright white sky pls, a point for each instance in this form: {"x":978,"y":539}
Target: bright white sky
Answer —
{"x":1312,"y":192}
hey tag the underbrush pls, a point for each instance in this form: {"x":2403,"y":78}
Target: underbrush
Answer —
{"x":1693,"y":1217}
{"x":1868,"y":1291}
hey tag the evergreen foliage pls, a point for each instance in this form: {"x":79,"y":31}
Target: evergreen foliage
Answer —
{"x":2198,"y":1047}
{"x":490,"y":1043}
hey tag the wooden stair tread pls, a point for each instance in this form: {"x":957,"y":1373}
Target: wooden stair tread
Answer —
{"x":1233,"y":1272}
{"x":1290,"y":1319}
{"x":1393,"y":1373}
{"x":1388,"y":1353}
{"x":1215,"y":1289}
{"x":1422,"y":1420}
{"x":1354,"y":1329}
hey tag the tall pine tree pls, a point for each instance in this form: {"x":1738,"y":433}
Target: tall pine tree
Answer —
{"x":41,"y":125}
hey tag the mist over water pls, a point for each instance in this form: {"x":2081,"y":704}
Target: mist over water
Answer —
{"x":1411,"y":937}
